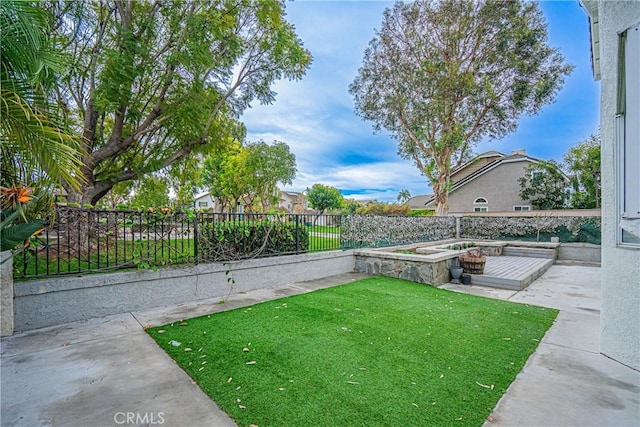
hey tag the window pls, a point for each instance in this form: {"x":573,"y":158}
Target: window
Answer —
{"x":522,"y":208}
{"x":203,"y":204}
{"x":480,"y":201}
{"x":628,"y":137}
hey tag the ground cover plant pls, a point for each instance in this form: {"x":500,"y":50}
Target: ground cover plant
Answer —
{"x":379,"y":351}
{"x":459,"y":246}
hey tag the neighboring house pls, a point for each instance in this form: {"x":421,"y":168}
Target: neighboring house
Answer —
{"x":204,"y":201}
{"x":292,"y":202}
{"x":615,"y":49}
{"x":419,"y":202}
{"x":488,"y":183}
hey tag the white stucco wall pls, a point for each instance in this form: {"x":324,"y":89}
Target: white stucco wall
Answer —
{"x":206,"y":197}
{"x":620,"y":316}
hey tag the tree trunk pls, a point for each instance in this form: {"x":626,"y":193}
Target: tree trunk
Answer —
{"x":441,"y":195}
{"x":90,"y":194}
{"x":442,"y":208}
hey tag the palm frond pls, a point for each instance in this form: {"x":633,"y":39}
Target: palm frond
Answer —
{"x":16,"y":234}
{"x":31,"y":135}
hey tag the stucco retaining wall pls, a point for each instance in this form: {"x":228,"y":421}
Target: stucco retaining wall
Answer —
{"x":6,"y":293}
{"x":583,"y":252}
{"x":60,"y":300}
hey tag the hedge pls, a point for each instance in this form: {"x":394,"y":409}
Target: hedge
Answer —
{"x":228,"y":240}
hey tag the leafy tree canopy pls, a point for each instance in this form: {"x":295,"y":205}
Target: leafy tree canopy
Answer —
{"x":324,"y":197}
{"x":544,"y":185}
{"x":442,"y":75}
{"x":151,"y":191}
{"x":184,"y":179}
{"x":249,"y":173}
{"x":583,"y":165}
{"x":381,"y":208}
{"x":269,"y":165}
{"x":224,"y":174}
{"x":154,"y":82}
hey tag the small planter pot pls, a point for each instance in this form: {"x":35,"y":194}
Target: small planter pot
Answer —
{"x":456,"y":272}
{"x":465,"y":279}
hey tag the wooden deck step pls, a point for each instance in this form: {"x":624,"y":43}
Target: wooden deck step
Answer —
{"x":521,"y":251}
{"x":511,"y":272}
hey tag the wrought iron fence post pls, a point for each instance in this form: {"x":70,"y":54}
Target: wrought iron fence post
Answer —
{"x":195,"y":238}
{"x":297,"y":233}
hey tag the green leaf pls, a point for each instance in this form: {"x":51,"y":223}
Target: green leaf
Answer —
{"x":15,"y":235}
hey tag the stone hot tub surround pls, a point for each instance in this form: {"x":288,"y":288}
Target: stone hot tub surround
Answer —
{"x":429,"y":262}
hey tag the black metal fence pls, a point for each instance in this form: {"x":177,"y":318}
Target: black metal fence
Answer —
{"x":77,"y":240}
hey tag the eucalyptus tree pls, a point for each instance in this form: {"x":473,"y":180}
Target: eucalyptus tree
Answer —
{"x":442,"y":75}
{"x":155,"y":81}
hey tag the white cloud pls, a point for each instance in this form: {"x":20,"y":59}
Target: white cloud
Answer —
{"x":335,"y":147}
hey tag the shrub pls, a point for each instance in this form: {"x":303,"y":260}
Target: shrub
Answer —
{"x":422,"y":212}
{"x":384,"y":209}
{"x":228,"y":240}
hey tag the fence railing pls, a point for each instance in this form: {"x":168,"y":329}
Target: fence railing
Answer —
{"x":78,"y":240}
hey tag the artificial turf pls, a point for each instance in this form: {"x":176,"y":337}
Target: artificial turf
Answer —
{"x":379,"y":351}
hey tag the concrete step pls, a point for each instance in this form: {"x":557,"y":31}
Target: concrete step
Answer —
{"x":529,"y":252}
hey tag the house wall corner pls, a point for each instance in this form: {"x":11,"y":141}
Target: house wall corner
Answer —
{"x":620,"y":314}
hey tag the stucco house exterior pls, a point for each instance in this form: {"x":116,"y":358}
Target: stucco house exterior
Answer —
{"x":207,"y":202}
{"x":204,"y":201}
{"x":292,"y":202}
{"x":615,"y":48}
{"x":289,"y":202}
{"x":488,"y":183}
{"x":419,"y":202}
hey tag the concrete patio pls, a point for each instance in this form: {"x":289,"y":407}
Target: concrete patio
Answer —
{"x":107,"y":371}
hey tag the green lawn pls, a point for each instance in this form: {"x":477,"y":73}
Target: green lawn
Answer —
{"x":321,"y":243}
{"x":122,"y":253}
{"x":324,"y":229}
{"x":379,"y":351}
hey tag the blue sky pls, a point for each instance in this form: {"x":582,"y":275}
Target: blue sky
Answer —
{"x":333,"y":146}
